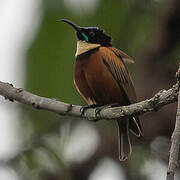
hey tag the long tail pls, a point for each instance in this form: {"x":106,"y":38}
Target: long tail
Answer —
{"x":125,"y":126}
{"x":124,"y":144}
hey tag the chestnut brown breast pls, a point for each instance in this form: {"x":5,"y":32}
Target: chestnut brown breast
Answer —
{"x":95,"y":82}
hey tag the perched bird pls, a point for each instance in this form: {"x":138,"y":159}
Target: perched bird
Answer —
{"x":102,"y":78}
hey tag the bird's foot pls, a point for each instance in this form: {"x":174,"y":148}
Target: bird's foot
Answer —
{"x":84,"y":108}
{"x":97,"y":107}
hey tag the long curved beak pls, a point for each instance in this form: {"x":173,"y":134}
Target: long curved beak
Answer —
{"x":75,"y":26}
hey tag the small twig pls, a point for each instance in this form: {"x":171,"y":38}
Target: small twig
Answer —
{"x":159,"y":100}
{"x":175,"y":145}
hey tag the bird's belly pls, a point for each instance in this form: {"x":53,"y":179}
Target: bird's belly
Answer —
{"x":105,"y":88}
{"x":96,"y":84}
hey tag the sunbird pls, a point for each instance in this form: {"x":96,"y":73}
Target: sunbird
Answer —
{"x":101,"y":77}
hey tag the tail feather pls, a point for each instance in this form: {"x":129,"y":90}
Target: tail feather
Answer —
{"x":124,"y":144}
{"x":125,"y":126}
{"x":135,"y":126}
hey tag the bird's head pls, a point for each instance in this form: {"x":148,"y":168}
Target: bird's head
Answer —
{"x":92,"y":35}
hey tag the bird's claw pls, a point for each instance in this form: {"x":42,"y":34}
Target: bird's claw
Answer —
{"x":98,"y":110}
{"x":97,"y":107}
{"x":84,"y":108}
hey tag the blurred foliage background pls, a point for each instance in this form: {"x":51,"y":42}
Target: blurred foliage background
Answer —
{"x":57,"y":147}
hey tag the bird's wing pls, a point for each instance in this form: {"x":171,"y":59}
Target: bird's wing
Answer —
{"x":123,"y":56}
{"x":119,"y":71}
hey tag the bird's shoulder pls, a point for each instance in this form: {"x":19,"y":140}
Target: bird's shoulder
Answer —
{"x":120,"y":54}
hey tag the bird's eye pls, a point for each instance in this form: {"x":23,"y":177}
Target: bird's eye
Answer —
{"x":91,"y":33}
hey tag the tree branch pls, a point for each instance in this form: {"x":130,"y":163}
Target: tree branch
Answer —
{"x":175,"y":145}
{"x":159,"y":100}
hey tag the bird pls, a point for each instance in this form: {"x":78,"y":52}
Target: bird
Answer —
{"x":101,"y":77}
